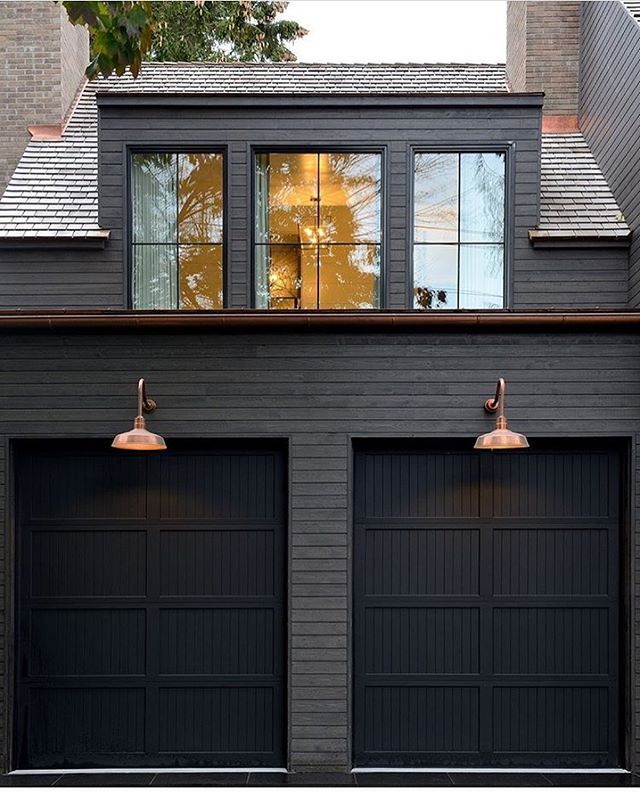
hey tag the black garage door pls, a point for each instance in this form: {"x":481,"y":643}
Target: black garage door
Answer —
{"x":486,"y":608}
{"x":151,"y":608}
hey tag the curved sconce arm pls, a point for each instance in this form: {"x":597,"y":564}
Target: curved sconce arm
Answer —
{"x":145,"y":404}
{"x":496,"y":405}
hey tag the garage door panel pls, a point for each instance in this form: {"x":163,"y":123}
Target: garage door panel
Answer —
{"x":426,"y":719}
{"x":88,"y":563}
{"x":220,"y":487}
{"x":421,"y":561}
{"x":415,"y":486}
{"x":126,"y":622}
{"x":553,"y":485}
{"x":486,"y":640}
{"x":222,"y":720}
{"x":551,"y":640}
{"x":217,"y":562}
{"x":79,"y":642}
{"x":551,"y":719}
{"x":557,"y":561}
{"x":100,"y":488}
{"x":217,"y":640}
{"x":422,"y":640}
{"x":76,"y":721}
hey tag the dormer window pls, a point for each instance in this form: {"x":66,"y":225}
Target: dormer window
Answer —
{"x":459,"y":230}
{"x":318,"y":230}
{"x":177,"y":225}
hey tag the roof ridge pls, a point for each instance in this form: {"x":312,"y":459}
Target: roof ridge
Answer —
{"x":332,"y":64}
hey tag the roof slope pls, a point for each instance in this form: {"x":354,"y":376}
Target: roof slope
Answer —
{"x":311,"y":78}
{"x":575,"y":199}
{"x":53,"y":194}
{"x":633,"y":7}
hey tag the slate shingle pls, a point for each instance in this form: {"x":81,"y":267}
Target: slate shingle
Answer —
{"x":311,"y":78}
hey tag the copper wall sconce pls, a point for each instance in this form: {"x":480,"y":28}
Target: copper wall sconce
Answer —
{"x":139,"y":438}
{"x":502,"y":438}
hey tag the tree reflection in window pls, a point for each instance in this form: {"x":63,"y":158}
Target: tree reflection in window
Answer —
{"x":318,"y":230}
{"x":177,"y":212}
{"x":458,"y":239}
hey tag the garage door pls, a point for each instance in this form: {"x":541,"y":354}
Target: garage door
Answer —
{"x":151,"y":608}
{"x":486,"y":608}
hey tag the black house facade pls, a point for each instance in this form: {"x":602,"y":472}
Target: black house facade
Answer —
{"x":321,"y":272}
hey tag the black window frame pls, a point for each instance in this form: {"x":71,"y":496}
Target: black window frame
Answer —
{"x":328,"y":148}
{"x":161,"y":148}
{"x":509,"y":151}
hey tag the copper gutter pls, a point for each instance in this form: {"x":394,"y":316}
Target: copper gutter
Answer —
{"x":329,"y":321}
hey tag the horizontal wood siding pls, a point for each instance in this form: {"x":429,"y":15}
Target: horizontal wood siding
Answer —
{"x":539,"y":278}
{"x":609,"y":100}
{"x":318,"y":390}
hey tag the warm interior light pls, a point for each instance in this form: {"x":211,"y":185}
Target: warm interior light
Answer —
{"x":139,"y":438}
{"x":501,"y":438}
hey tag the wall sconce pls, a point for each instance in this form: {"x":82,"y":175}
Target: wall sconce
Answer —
{"x":138,"y":438}
{"x":502,"y":438}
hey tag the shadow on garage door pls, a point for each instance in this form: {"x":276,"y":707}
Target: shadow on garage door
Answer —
{"x":151,"y":606}
{"x":486,"y":606}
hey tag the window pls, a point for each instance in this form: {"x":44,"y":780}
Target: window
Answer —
{"x":458,"y":237}
{"x":318,"y":230}
{"x":177,"y":231}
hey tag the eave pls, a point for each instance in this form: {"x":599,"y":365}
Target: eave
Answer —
{"x":93,"y":240}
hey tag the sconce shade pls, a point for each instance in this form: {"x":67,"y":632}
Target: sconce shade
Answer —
{"x":501,"y":440}
{"x":139,"y":439}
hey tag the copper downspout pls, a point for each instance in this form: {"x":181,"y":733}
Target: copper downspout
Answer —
{"x":321,"y":321}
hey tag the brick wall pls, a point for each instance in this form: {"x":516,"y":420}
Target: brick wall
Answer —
{"x":543,"y":51}
{"x":42,"y":61}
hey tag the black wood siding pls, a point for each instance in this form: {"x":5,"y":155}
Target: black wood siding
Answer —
{"x":318,"y":391}
{"x":539,"y":278}
{"x":609,"y":101}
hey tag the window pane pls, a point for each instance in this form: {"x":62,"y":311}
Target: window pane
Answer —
{"x":481,"y":276}
{"x":155,"y":277}
{"x":349,"y":276}
{"x":286,"y":197}
{"x":350,"y":208}
{"x":278,"y":276}
{"x":153,"y":183}
{"x":482,"y":197}
{"x":436,"y":198}
{"x":435,"y":278}
{"x":200,"y":197}
{"x":201,"y":277}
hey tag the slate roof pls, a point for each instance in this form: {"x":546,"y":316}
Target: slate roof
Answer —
{"x":311,"y":78}
{"x":53,"y":194}
{"x":575,"y":199}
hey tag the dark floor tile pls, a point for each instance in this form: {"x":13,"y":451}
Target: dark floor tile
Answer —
{"x":589,"y":779}
{"x":200,"y":779}
{"x":320,"y":779}
{"x":267,"y":779}
{"x":28,"y":780}
{"x":402,"y":779}
{"x":104,"y":779}
{"x":500,"y":779}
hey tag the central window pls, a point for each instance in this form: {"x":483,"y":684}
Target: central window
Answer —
{"x":318,"y":230}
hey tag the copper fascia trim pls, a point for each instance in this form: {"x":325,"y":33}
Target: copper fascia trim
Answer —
{"x":363,"y":321}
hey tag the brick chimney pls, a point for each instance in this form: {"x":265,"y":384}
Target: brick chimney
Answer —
{"x":543,"y":54}
{"x":42,"y":62}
